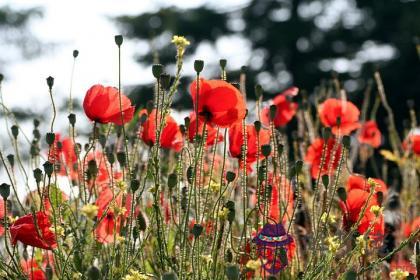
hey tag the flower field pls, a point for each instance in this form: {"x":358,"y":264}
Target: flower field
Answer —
{"x":294,"y":187}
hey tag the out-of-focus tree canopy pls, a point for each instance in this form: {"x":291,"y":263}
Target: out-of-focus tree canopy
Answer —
{"x":298,"y":42}
{"x":16,"y":39}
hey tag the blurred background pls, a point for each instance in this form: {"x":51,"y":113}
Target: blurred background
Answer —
{"x":281,"y":43}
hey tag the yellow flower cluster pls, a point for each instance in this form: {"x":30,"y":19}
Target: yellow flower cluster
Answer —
{"x":181,"y":43}
{"x":57,"y":230}
{"x":376,"y":210}
{"x":398,"y":274}
{"x":90,"y":210}
{"x":253,"y":264}
{"x":361,"y":243}
{"x":135,"y":275}
{"x":333,"y":243}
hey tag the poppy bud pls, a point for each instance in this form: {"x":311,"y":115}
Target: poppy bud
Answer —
{"x":75,"y":53}
{"x":136,"y":233}
{"x":122,"y":160}
{"x":228,"y":255}
{"x":223,"y":63}
{"x":72,"y":119}
{"x":326,"y":133}
{"x":102,"y":140}
{"x":172,"y":180}
{"x":346,"y":141}
{"x":118,"y":40}
{"x":157,"y":70}
{"x":4,"y":191}
{"x":280,"y":149}
{"x":198,"y":65}
{"x":134,"y":185}
{"x":11,"y":159}
{"x":92,"y":167}
{"x":38,"y":175}
{"x":15,"y":131}
{"x":48,"y":168}
{"x":197,"y":230}
{"x":298,"y":166}
{"x":169,"y":276}
{"x":258,"y":91}
{"x":244,"y":68}
{"x":143,"y":118}
{"x":93,"y":273}
{"x":266,"y":150}
{"x":36,"y":122}
{"x":230,"y":176}
{"x":273,"y":111}
{"x":325,"y":180}
{"x":111,"y":157}
{"x":190,"y":172}
{"x":257,"y":125}
{"x":187,"y":122}
{"x":165,"y":80}
{"x":141,"y":222}
{"x":232,"y":272}
{"x":49,"y":272}
{"x":50,"y":137}
{"x":50,"y":82}
{"x":342,"y":194}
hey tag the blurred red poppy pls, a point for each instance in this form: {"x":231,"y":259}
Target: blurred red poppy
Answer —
{"x":110,"y":222}
{"x":32,"y":270}
{"x":219,"y":102}
{"x":333,"y":109}
{"x":210,"y":131}
{"x":102,"y":104}
{"x":360,"y":182}
{"x":413,"y":142}
{"x":39,"y":235}
{"x":314,"y":156}
{"x":170,"y":137}
{"x":370,"y":134}
{"x":285,"y":109}
{"x":356,"y":199}
{"x":236,"y":140}
{"x":411,"y":227}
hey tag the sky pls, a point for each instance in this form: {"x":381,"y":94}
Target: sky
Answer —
{"x":87,"y":26}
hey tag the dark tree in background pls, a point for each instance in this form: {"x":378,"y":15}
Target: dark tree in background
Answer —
{"x":298,"y":42}
{"x":16,"y":41}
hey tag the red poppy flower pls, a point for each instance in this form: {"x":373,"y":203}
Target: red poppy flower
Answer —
{"x":359,"y":182}
{"x":210,"y":131}
{"x":219,"y":102}
{"x":70,"y":159}
{"x":32,"y":270}
{"x":170,"y":137}
{"x":40,"y":236}
{"x":314,"y":156}
{"x":280,"y":191}
{"x":109,"y":222}
{"x":333,"y":109}
{"x":356,"y":199}
{"x":102,"y":104}
{"x":413,"y":141}
{"x":370,"y":134}
{"x":236,"y":140}
{"x":1,"y":216}
{"x":285,"y":109}
{"x":404,"y":265}
{"x":411,"y":227}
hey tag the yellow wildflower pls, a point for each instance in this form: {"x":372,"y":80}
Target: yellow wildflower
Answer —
{"x":223,"y":213}
{"x":361,"y":244}
{"x":77,"y":276}
{"x":90,"y":210}
{"x":57,"y":230}
{"x":253,"y":264}
{"x":135,"y":275}
{"x":376,"y":210}
{"x":121,"y":185}
{"x":180,"y":42}
{"x":398,"y":274}
{"x":333,"y":243}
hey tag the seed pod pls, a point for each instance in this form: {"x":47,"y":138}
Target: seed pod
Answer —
{"x":134,"y":185}
{"x":169,"y":276}
{"x":50,"y":138}
{"x":92,"y":167}
{"x":232,"y":272}
{"x":273,"y":112}
{"x":326,"y":133}
{"x":50,"y":82}
{"x":198,"y":65}
{"x":190,"y":172}
{"x":257,"y":125}
{"x":36,"y":122}
{"x":165,"y":81}
{"x":75,"y":53}
{"x":346,"y":141}
{"x":197,"y":230}
{"x":325,"y":180}
{"x":122,"y":160}
{"x":258,"y":91}
{"x":157,"y":69}
{"x":38,"y":175}
{"x":342,"y":194}
{"x":15,"y":131}
{"x":223,"y":63}
{"x":298,"y":166}
{"x":172,"y":180}
{"x":48,"y":168}
{"x":93,"y":273}
{"x":49,"y":272}
{"x":230,"y":176}
{"x":228,"y":255}
{"x":141,"y":222}
{"x":11,"y":159}
{"x":102,"y":140}
{"x":118,"y":40}
{"x":4,"y":191}
{"x":266,"y":150}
